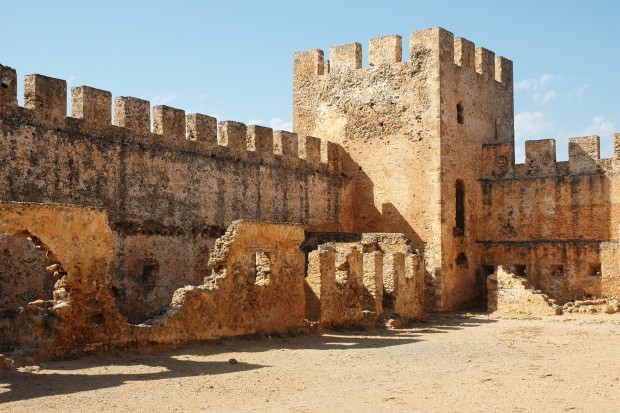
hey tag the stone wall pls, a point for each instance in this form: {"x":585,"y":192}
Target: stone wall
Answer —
{"x":168,"y":193}
{"x":257,"y":286}
{"x":554,"y":220}
{"x":397,"y":121}
{"x":81,"y":313}
{"x":509,"y":294}
{"x":355,"y":282}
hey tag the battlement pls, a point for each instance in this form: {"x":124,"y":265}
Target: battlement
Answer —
{"x":540,"y":159}
{"x":45,"y":103}
{"x":387,"y":50}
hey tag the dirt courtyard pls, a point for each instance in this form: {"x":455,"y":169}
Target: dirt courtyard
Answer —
{"x":456,"y":363}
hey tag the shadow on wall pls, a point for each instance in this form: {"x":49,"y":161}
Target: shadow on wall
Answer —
{"x":361,"y":215}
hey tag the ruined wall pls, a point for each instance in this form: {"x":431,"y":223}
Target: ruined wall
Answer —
{"x":557,"y":220}
{"x":22,"y":272}
{"x":257,"y":286}
{"x":354,"y":280}
{"x":168,"y":193}
{"x":509,"y":293}
{"x":398,"y":123}
{"x":80,"y":313}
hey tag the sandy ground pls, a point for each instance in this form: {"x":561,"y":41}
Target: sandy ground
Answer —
{"x":448,"y":364}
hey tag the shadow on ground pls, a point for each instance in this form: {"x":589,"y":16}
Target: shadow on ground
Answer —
{"x":20,"y":385}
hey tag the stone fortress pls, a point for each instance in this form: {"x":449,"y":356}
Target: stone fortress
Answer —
{"x":397,"y":194}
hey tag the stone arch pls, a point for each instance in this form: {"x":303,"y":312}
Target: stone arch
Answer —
{"x":29,"y":270}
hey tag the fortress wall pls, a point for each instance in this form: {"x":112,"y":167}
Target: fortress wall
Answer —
{"x":550,"y":216}
{"x":398,"y":123}
{"x":386,"y":117}
{"x":168,"y":193}
{"x":476,"y":108}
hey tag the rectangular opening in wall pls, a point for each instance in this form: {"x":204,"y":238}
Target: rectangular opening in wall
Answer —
{"x":488,"y":270}
{"x":521,"y":270}
{"x":595,"y":270}
{"x":557,"y":270}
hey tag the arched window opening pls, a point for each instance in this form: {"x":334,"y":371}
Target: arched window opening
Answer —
{"x":459,"y":229}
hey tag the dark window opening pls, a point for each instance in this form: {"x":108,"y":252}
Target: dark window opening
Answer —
{"x":557,"y":270}
{"x":148,"y":278}
{"x":595,"y":270}
{"x":462,"y":261}
{"x":488,"y":270}
{"x":521,"y":271}
{"x":459,"y":229}
{"x":459,"y":113}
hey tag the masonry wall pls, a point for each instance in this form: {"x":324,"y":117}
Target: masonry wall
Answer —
{"x":476,"y":108}
{"x":398,"y":123}
{"x":557,"y":220}
{"x":168,"y":193}
{"x":386,"y":117}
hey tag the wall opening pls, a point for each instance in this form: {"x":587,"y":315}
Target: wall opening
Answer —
{"x":481,"y":300}
{"x":26,"y":273}
{"x":521,"y":270}
{"x":557,"y":270}
{"x":148,"y":278}
{"x":462,"y":261}
{"x":260,"y":273}
{"x":459,"y":229}
{"x":460,"y":117}
{"x":595,"y":270}
{"x":487,"y":270}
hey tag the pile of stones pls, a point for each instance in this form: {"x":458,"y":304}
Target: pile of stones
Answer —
{"x":593,"y":306}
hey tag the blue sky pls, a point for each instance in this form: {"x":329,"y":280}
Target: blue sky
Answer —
{"x":234,"y":59}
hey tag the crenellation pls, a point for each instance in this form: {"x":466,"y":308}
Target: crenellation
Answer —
{"x":169,"y":122}
{"x":286,"y":144}
{"x":540,"y":157}
{"x":8,"y":89}
{"x":133,"y":114}
{"x":93,"y":106}
{"x":485,"y":62}
{"x":584,"y":154}
{"x":310,"y":151}
{"x":46,"y":97}
{"x":345,"y":57}
{"x":331,"y":155}
{"x":464,"y":53}
{"x":260,"y":140}
{"x":437,"y":41}
{"x":503,"y":71}
{"x":385,"y":50}
{"x":232,"y":135}
{"x":308,"y":64}
{"x":203,"y":129}
{"x":616,"y":155}
{"x":584,"y":159}
{"x":497,"y":159}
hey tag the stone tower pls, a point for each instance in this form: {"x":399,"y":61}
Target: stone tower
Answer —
{"x":412,"y":133}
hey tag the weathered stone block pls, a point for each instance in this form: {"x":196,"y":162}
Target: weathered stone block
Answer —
{"x":132,"y":113}
{"x":202,"y":128}
{"x":92,"y":105}
{"x":169,"y":122}
{"x":46,"y":96}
